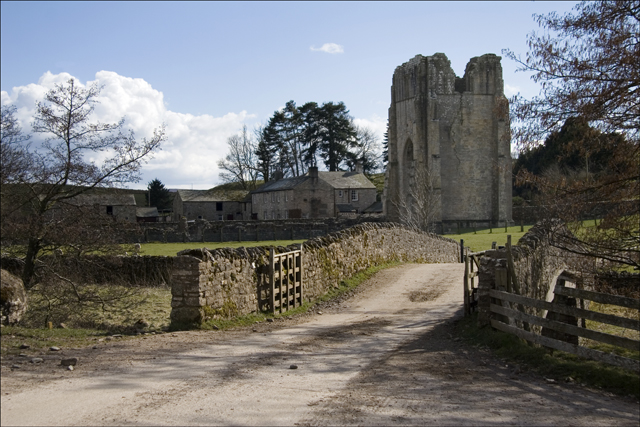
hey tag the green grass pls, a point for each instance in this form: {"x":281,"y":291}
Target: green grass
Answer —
{"x":171,"y":249}
{"x":86,"y":322}
{"x":557,"y":365}
{"x":481,"y":239}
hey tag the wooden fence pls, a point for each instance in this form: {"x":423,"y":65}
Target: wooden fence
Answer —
{"x":471,"y":267}
{"x":285,"y":280}
{"x":559,"y":318}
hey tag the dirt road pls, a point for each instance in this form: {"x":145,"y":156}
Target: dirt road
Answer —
{"x":384,"y":356}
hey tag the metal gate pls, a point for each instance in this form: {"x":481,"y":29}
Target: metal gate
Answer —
{"x":285,"y":280}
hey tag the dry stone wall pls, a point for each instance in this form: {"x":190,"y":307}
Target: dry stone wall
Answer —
{"x":228,"y":282}
{"x":152,"y":271}
{"x":245,"y":231}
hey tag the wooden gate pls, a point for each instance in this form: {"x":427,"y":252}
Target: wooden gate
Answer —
{"x":285,"y":280}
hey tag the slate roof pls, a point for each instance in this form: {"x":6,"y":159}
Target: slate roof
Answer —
{"x":346,"y":179}
{"x":147,"y":212}
{"x":376,"y":207}
{"x":338,"y":180}
{"x":212,"y":195}
{"x":345,"y":207}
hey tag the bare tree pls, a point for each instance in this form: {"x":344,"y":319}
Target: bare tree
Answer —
{"x":587,"y":63}
{"x":240,"y":164}
{"x":420,"y":207}
{"x":368,"y":150}
{"x":41,"y":201}
{"x":15,"y":160}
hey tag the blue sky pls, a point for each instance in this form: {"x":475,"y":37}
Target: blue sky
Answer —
{"x":207,"y":68}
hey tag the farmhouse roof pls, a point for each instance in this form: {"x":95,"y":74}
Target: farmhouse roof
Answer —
{"x":376,"y":207}
{"x":337,"y":180}
{"x":147,"y":212}
{"x":212,"y":195}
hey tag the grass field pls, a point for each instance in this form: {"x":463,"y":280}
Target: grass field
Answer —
{"x":478,"y":241}
{"x":171,"y":249}
{"x":481,"y":240}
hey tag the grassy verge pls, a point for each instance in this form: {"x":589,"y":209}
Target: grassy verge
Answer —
{"x":40,"y":339}
{"x":85,"y":324}
{"x":557,"y":365}
{"x":341,"y":290}
{"x":171,"y":249}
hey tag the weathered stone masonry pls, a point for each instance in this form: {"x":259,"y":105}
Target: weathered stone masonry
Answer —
{"x":228,"y":282}
{"x":458,"y":129}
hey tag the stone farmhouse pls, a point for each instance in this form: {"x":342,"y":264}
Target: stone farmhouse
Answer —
{"x":121,"y":206}
{"x":314,"y":195}
{"x":211,"y":205}
{"x":457,"y":129}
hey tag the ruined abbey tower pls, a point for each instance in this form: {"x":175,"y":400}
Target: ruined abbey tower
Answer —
{"x":457,"y":129}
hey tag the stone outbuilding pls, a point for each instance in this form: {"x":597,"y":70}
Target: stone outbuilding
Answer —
{"x":147,"y":214}
{"x":457,"y":129}
{"x":211,"y":205}
{"x":122,"y":207}
{"x":318,"y":194}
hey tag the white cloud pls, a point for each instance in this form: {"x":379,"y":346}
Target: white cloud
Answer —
{"x":511,"y":90}
{"x":194,"y":143}
{"x":329,"y":48}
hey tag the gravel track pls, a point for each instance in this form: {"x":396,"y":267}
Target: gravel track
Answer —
{"x":383,"y":356}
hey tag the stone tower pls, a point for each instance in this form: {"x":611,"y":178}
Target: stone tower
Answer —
{"x":458,"y":130}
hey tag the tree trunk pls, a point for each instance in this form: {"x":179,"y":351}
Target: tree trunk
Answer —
{"x":33,"y":248}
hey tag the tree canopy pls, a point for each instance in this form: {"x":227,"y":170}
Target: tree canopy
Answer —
{"x":588,"y":63}
{"x":296,"y":138}
{"x":158,"y":195}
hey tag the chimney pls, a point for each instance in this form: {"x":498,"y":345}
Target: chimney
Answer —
{"x":359,"y":168}
{"x":313,"y":174}
{"x":277,"y":175}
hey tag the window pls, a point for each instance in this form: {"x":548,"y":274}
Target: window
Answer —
{"x":220,"y":218}
{"x":286,"y":214}
{"x":273,"y":214}
{"x":277,"y":197}
{"x":109,"y":210}
{"x":265,"y":198}
{"x":340,"y":193}
{"x":218,"y":206}
{"x":199,"y":216}
{"x":354,"y":195}
{"x":286,"y":197}
{"x":265,"y":215}
{"x":273,"y":197}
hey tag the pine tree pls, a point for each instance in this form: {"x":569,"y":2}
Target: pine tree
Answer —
{"x":159,"y":195}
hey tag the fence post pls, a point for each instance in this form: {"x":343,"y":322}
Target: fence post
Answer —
{"x":301,"y":273}
{"x":461,"y":250}
{"x":467,"y":311}
{"x":271,"y":281}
